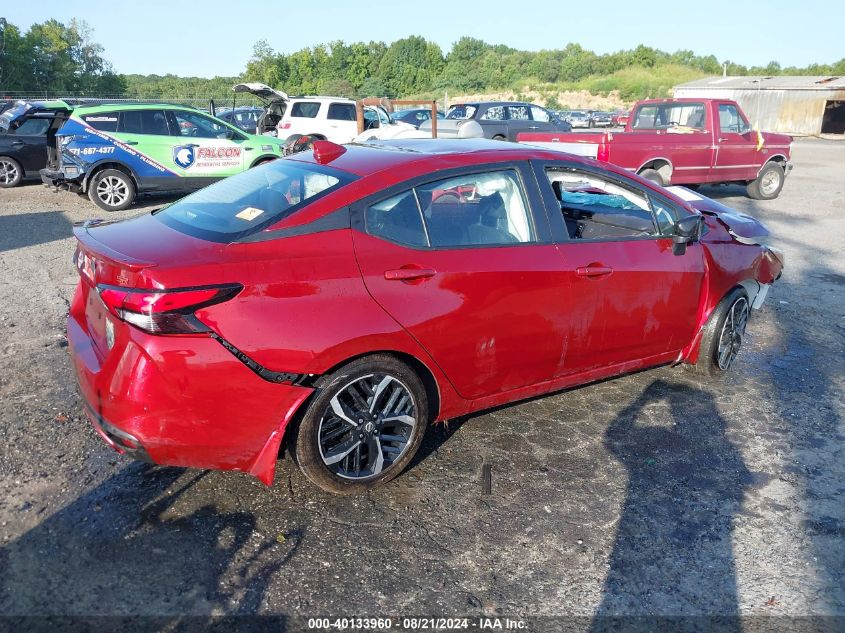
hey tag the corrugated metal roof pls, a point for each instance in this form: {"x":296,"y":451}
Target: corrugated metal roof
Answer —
{"x":780,"y":82}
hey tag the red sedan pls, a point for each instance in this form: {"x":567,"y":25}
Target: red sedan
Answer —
{"x":340,"y":300}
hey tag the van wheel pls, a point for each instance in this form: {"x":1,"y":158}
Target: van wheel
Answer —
{"x":111,"y":190}
{"x":364,"y":425}
{"x":723,"y":334}
{"x":653,"y":175}
{"x":768,"y":184}
{"x":11,"y":172}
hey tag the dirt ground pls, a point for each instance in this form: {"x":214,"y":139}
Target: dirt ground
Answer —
{"x":656,"y":494}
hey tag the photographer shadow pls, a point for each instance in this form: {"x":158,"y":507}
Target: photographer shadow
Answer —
{"x":673,"y":553}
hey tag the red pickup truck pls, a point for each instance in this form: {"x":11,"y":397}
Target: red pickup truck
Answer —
{"x":686,"y":142}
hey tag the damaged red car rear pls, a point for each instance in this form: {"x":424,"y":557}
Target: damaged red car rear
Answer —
{"x":346,"y":298}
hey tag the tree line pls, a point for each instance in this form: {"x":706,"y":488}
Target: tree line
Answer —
{"x":56,"y":59}
{"x":52,"y":58}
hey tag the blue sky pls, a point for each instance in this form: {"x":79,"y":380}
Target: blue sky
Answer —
{"x":213,"y":37}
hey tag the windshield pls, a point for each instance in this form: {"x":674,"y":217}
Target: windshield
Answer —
{"x":248,"y":202}
{"x":461,"y":112}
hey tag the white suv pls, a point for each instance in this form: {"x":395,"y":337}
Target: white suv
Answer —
{"x":329,"y":118}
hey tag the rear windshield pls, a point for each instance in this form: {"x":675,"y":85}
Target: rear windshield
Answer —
{"x":661,"y":116}
{"x":461,"y":112}
{"x":246,"y":203}
{"x":13,"y":113}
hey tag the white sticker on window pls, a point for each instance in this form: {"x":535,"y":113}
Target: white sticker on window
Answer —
{"x":249,"y":214}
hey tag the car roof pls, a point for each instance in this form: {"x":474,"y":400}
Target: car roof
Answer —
{"x":678,"y":100}
{"x":493,"y":103}
{"x":323,"y":98}
{"x":366,"y":159}
{"x":110,"y":107}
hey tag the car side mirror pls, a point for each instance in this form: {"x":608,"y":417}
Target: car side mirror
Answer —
{"x":687,"y":230}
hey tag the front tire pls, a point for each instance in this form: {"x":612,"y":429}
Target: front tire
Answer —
{"x":723,"y":334}
{"x":364,"y":425}
{"x":111,"y":190}
{"x":768,"y":184}
{"x":11,"y":172}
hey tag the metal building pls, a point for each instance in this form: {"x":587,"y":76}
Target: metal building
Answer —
{"x":801,"y":106}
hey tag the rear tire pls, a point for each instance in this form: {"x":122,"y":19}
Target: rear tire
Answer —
{"x":653,"y":175}
{"x":11,"y":172}
{"x":723,"y":335}
{"x":364,"y":425}
{"x":111,"y":190}
{"x":768,"y":184}
{"x":498,"y":137}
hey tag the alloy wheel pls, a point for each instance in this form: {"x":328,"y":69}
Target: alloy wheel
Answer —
{"x":367,"y":426}
{"x":8,"y":172}
{"x":112,"y":191}
{"x":733,"y":330}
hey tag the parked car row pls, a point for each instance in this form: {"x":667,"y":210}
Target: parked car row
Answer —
{"x":590,"y":118}
{"x":503,"y":120}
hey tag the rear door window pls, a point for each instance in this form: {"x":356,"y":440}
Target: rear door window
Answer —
{"x":472,"y":210}
{"x":341,"y":112}
{"x":397,"y":219}
{"x":143,"y":122}
{"x":518,"y":113}
{"x":33,"y":127}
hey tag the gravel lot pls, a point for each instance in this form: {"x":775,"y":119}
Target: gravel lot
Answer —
{"x":652,"y":494}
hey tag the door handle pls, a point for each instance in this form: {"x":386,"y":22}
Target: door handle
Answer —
{"x":593,"y":271}
{"x":409,"y":274}
{"x":130,"y":142}
{"x":722,"y":139}
{"x":16,"y":143}
{"x":248,"y":149}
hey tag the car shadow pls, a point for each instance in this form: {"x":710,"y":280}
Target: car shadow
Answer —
{"x":105,"y":553}
{"x":30,"y":229}
{"x":686,"y":481}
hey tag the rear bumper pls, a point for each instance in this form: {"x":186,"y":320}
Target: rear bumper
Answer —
{"x":181,"y":401}
{"x":58,"y":178}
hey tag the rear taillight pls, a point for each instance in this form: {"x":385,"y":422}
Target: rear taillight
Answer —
{"x":284,"y":126}
{"x":165,"y":311}
{"x":603,"y":152}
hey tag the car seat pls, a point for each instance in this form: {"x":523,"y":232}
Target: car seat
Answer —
{"x":492,"y":225}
